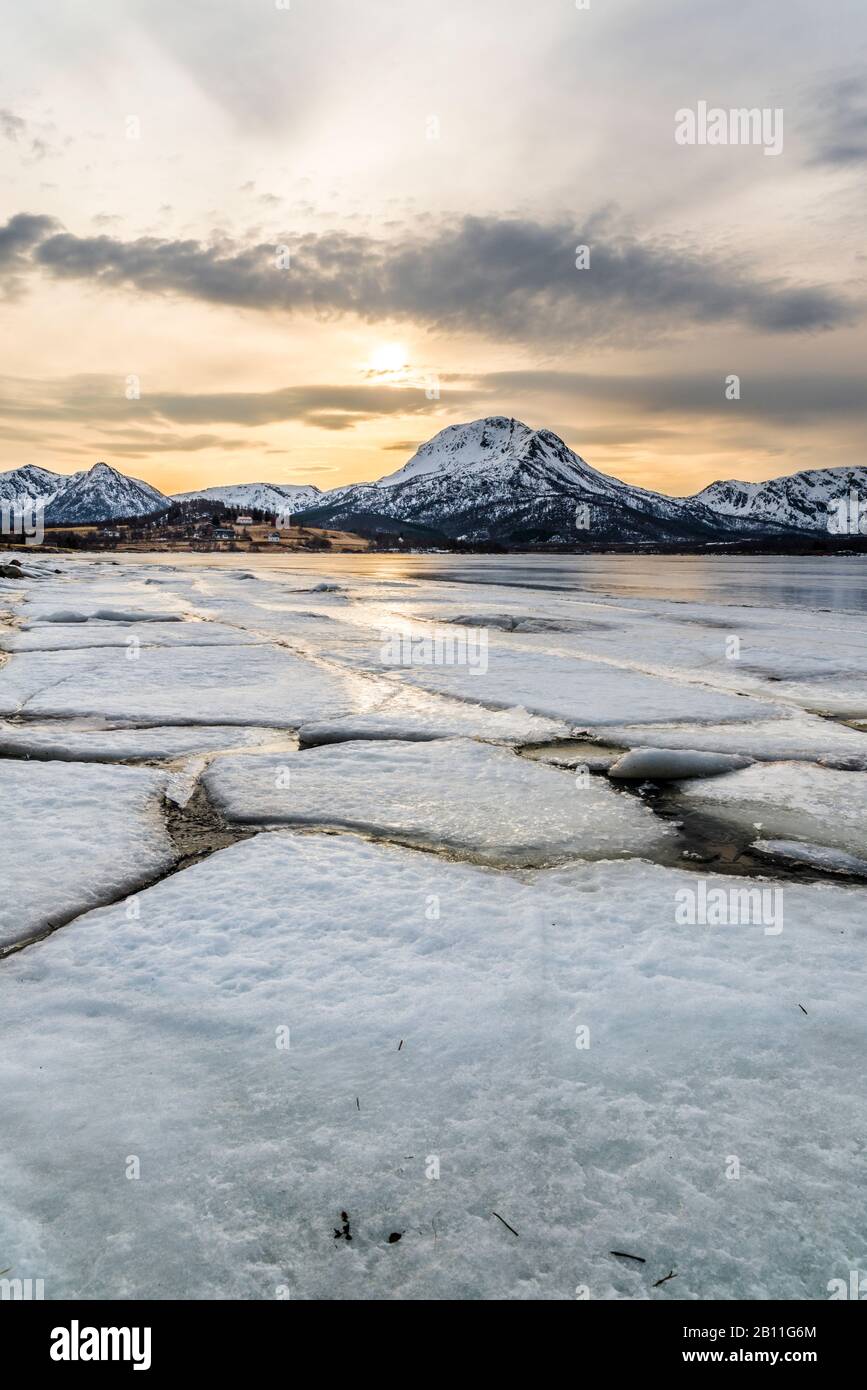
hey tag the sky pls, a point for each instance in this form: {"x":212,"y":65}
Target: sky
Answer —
{"x":290,"y":240}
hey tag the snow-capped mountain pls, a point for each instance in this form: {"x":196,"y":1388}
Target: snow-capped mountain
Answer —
{"x":498,"y":480}
{"x":802,"y":501}
{"x":102,"y":493}
{"x":266,"y":497}
{"x":492,"y":480}
{"x":31,"y":484}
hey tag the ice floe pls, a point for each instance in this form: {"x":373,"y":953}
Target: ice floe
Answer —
{"x":215,"y":685}
{"x":789,"y":801}
{"x":667,"y":764}
{"x":75,"y":836}
{"x":57,"y":739}
{"x":797,"y":735}
{"x":455,"y":795}
{"x":832,"y":861}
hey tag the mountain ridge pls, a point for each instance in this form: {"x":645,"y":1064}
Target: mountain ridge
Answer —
{"x":489,"y":480}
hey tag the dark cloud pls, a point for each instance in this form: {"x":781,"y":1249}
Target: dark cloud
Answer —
{"x":19,"y":236}
{"x":783,"y":397}
{"x":510,"y":277}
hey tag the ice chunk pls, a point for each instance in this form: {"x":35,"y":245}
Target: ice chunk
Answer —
{"x":667,"y":764}
{"x":216,"y":685}
{"x":832,"y":861}
{"x":73,"y":837}
{"x":55,"y":739}
{"x":789,"y":801}
{"x":796,"y":735}
{"x":454,"y":794}
{"x":47,"y":637}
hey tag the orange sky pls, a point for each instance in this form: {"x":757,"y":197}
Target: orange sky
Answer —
{"x":426,"y":176}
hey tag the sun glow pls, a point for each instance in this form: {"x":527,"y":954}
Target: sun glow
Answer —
{"x":389,"y":359}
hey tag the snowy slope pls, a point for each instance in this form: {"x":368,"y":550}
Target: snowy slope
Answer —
{"x":102,"y":493}
{"x":266,"y":497}
{"x":30,"y":482}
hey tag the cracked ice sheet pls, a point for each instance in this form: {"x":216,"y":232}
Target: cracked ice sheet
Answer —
{"x":408,"y":712}
{"x":58,"y":740}
{"x":74,"y":836}
{"x":790,"y":801}
{"x":253,"y":685}
{"x":582,"y":692}
{"x":162,"y":1043}
{"x":790,"y":660}
{"x":455,"y":795}
{"x":799,"y":736}
{"x":53,"y":637}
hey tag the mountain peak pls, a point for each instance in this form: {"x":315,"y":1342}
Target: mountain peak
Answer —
{"x":101,"y":494}
{"x":499,"y":447}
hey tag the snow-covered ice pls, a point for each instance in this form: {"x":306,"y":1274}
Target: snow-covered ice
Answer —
{"x":319,"y":1019}
{"x":75,"y":836}
{"x":216,"y":685}
{"x":57,"y":739}
{"x":799,"y":736}
{"x":308,"y":1024}
{"x":455,"y":795}
{"x":789,"y":801}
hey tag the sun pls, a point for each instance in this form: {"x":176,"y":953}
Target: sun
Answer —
{"x":389,"y":358}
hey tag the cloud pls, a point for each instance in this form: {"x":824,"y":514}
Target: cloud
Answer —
{"x":19,"y":236}
{"x":779,"y":396}
{"x":504,"y":277}
{"x":142,"y":443}
{"x":403,"y":446}
{"x":841,"y":118}
{"x":20,"y":132}
{"x":101,"y":398}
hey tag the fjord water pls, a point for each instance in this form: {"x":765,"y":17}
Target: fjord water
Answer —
{"x":831,"y":583}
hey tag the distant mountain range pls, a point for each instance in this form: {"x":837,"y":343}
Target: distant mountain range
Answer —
{"x":265,"y":497}
{"x":492,"y":480}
